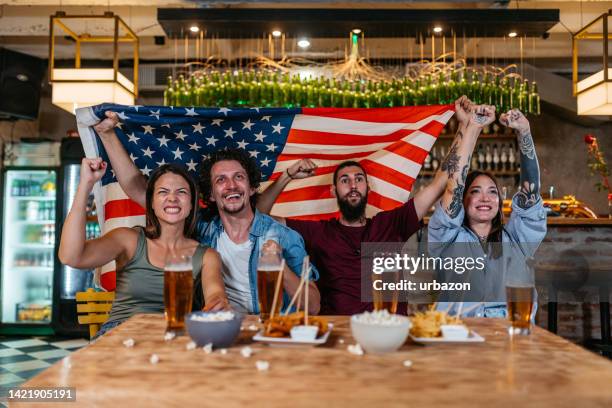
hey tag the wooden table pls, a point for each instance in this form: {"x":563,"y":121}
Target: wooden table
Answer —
{"x":541,"y":370}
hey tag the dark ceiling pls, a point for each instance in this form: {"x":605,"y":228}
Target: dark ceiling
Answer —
{"x":337,"y":23}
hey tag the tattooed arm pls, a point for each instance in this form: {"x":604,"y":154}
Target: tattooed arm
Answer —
{"x":529,"y":191}
{"x":457,"y":162}
{"x":425,"y":198}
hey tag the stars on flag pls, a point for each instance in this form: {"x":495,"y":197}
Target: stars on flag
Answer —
{"x":178,"y":153}
{"x":122,"y":115}
{"x":277,"y":128}
{"x":155,"y":113}
{"x":212,"y":141}
{"x":230,"y":133}
{"x":157,"y":136}
{"x":198,"y":128}
{"x":224,"y":111}
{"x":191,"y":165}
{"x":132,"y":138}
{"x":259,"y":137}
{"x":247,"y":125}
{"x":163,"y":141}
{"x":148,"y":152}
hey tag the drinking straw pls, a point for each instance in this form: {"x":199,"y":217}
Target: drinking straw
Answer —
{"x":307,"y":261}
{"x":459,"y":309}
{"x":298,"y":291}
{"x":279,"y":279}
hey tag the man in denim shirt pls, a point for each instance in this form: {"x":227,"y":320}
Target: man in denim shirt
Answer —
{"x":229,"y":182}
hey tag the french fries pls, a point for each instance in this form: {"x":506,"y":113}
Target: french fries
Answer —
{"x":280,"y":326}
{"x":427,"y":324}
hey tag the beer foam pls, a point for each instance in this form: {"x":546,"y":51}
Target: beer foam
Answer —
{"x":379,"y":318}
{"x":268,"y":268}
{"x":179,"y":267}
{"x":213,"y":317}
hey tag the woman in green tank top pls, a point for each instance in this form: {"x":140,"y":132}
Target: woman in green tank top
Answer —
{"x":140,"y":253}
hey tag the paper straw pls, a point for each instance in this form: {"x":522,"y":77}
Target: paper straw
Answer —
{"x":307,"y":261}
{"x":279,"y":279}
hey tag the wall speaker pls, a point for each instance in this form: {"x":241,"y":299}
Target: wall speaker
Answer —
{"x":21,"y":78}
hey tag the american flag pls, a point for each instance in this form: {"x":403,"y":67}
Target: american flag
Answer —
{"x":390,"y":143}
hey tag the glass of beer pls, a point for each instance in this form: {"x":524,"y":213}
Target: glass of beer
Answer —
{"x":520,"y":306}
{"x":268,"y":272}
{"x":385,"y":298}
{"x":178,"y":291}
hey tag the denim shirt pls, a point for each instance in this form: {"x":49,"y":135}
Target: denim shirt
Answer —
{"x":521,"y":237}
{"x":263,"y":228}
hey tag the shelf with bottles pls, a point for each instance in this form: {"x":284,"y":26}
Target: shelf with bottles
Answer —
{"x":35,"y":210}
{"x":38,"y":234}
{"x":33,"y":260}
{"x":34,"y":188}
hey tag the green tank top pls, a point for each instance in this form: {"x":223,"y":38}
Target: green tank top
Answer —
{"x":140,"y":285}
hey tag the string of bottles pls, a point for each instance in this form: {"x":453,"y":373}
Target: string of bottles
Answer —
{"x":486,"y":158}
{"x":266,"y":88}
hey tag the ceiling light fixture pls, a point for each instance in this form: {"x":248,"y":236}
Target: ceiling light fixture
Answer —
{"x":194,"y":29}
{"x":276,"y":33}
{"x":437,"y":29}
{"x":356,"y":30}
{"x":303,"y":43}
{"x":512,"y":34}
{"x":78,"y":87}
{"x":593,"y":93}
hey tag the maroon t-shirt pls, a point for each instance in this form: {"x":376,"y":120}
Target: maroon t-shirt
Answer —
{"x":335,"y":250}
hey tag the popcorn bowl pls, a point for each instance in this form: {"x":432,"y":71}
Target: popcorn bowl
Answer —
{"x":218,"y":328}
{"x":379,"y":337}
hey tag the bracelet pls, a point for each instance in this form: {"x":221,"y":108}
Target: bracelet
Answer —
{"x":289,"y":174}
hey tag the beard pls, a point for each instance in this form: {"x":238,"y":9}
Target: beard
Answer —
{"x":352,"y":212}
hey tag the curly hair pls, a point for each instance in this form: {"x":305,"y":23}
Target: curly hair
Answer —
{"x":239,"y":155}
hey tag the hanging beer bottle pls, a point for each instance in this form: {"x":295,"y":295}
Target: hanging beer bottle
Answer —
{"x":487,"y":95}
{"x":505,"y":100}
{"x":443,"y":89}
{"x":524,"y":100}
{"x":453,"y":87}
{"x":169,"y":93}
{"x":474,"y":93}
{"x":534,"y":99}
{"x":464,"y":87}
{"x":193,"y":89}
{"x":184,"y":95}
{"x":496,"y":94}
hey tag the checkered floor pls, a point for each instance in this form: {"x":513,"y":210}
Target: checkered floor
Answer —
{"x":21,"y":358}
